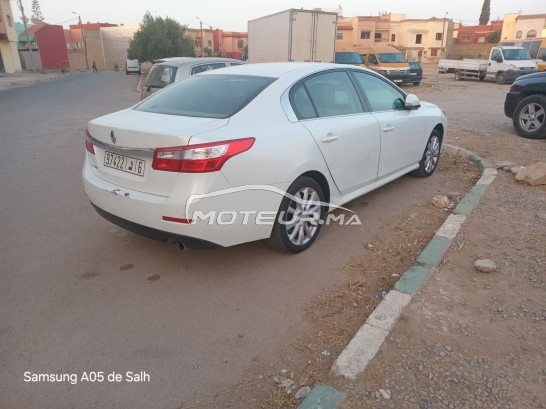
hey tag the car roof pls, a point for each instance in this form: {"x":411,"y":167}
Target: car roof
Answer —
{"x":280,"y":69}
{"x":178,"y":61}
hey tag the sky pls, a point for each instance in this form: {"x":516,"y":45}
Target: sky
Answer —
{"x":233,"y":15}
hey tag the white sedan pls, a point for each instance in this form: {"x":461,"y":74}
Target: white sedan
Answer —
{"x":257,"y":151}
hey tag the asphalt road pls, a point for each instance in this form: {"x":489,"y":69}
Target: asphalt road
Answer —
{"x":82,"y":298}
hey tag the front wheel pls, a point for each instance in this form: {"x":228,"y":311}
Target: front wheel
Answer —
{"x":416,"y":83}
{"x":501,"y":78}
{"x":529,"y":117}
{"x":299,"y":218}
{"x":458,"y":75}
{"x":430,"y":158}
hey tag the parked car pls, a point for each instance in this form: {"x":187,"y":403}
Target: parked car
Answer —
{"x":347,"y":57}
{"x":132,"y":67}
{"x":257,"y":151}
{"x":168,"y":70}
{"x":525,"y":103}
{"x":416,"y":72}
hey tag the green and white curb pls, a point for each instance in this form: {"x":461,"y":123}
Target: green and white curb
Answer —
{"x":356,"y":356}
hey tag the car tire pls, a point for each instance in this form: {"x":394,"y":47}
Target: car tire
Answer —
{"x":529,"y":117}
{"x":297,"y":225}
{"x":500,"y":78}
{"x":458,"y":75}
{"x":431,"y":156}
{"x":416,"y":83}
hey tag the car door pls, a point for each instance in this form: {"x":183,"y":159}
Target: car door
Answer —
{"x":347,"y":136}
{"x":402,"y":130}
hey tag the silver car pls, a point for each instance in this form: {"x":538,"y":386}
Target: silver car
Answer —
{"x":168,"y":70}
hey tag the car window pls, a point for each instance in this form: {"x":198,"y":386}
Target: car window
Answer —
{"x":372,"y":59}
{"x":496,"y":54}
{"x":302,"y":104}
{"x":333,"y":94}
{"x":207,"y":96}
{"x":160,"y":76}
{"x":381,"y":95}
{"x":347,"y":57}
{"x":391,"y":57}
{"x":207,"y":67}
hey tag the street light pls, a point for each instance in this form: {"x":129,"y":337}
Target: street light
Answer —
{"x":20,"y":4}
{"x":83,"y":39}
{"x":444,"y":40}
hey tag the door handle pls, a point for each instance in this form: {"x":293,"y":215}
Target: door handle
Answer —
{"x":329,"y":138}
{"x":388,"y":128}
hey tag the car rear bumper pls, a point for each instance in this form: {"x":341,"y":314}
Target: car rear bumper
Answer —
{"x":155,"y":234}
{"x":221,"y":216}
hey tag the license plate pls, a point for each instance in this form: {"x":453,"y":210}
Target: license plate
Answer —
{"x":124,"y":163}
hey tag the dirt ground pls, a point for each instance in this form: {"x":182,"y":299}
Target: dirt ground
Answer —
{"x":468,"y":339}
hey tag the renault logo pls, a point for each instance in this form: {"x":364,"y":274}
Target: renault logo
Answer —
{"x":112,"y":137}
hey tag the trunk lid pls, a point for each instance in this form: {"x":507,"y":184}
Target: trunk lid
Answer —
{"x":124,"y":144}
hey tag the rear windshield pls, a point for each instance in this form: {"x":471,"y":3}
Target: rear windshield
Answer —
{"x":160,"y":76}
{"x":391,"y":57}
{"x":207,"y":96}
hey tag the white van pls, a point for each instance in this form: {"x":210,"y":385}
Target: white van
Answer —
{"x":132,"y":67}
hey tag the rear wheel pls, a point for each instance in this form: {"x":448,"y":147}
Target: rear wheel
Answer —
{"x":529,"y":117}
{"x":430,"y":158}
{"x":458,"y":75}
{"x":416,"y":83}
{"x":501,"y":78}
{"x":299,"y":218}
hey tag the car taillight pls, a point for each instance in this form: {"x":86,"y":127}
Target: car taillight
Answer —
{"x":207,"y":157}
{"x":88,"y":143}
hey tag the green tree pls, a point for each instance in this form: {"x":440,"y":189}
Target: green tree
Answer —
{"x":157,"y":38}
{"x":37,"y":16}
{"x":486,"y":11}
{"x":495,"y":37}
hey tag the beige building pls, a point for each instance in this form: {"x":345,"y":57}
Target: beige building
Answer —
{"x":424,"y":40}
{"x":521,"y":27}
{"x":9,"y":56}
{"x":107,"y":46}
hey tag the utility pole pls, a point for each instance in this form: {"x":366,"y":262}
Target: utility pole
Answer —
{"x":83,"y":39}
{"x":20,"y":4}
{"x":444,"y":39}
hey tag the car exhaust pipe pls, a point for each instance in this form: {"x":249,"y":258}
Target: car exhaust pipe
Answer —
{"x":179,"y":246}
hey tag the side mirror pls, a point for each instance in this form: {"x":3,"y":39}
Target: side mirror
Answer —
{"x":412,"y":102}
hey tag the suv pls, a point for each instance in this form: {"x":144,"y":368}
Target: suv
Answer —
{"x":168,"y":70}
{"x":525,"y":103}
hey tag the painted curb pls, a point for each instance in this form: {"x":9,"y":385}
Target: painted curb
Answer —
{"x":360,"y":351}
